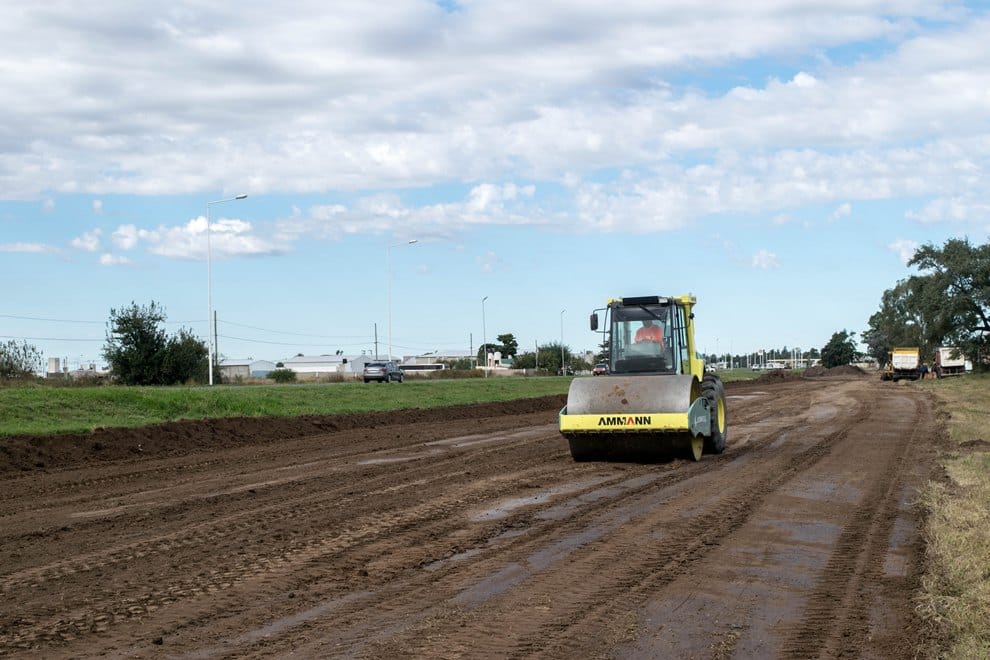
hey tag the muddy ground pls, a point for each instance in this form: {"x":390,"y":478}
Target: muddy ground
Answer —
{"x":470,"y":532}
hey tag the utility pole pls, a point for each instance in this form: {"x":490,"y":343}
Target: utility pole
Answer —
{"x":216,"y":344}
{"x":484,"y":334}
{"x":376,"y":340}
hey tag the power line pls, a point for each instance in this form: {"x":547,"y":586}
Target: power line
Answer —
{"x":48,"y":338}
{"x":32,"y":318}
{"x":37,"y":318}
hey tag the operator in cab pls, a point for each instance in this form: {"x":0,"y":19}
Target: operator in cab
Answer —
{"x":649,"y":334}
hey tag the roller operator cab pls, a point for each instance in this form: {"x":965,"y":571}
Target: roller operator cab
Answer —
{"x":656,"y":400}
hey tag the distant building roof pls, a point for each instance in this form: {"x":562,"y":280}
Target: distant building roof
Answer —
{"x":436,"y":356}
{"x":314,"y":359}
{"x":246,"y":362}
{"x":321,"y":363}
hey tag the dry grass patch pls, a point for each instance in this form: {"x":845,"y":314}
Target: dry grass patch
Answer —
{"x":957,"y":583}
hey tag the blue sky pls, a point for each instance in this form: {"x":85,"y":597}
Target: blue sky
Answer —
{"x":779,"y":160}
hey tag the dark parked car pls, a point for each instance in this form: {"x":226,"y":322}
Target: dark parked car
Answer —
{"x":383,"y":372}
{"x":600,"y":369}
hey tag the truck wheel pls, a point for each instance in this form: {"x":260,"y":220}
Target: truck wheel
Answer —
{"x":714,"y":392}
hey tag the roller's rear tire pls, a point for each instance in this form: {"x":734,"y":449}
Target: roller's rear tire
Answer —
{"x":714,"y":392}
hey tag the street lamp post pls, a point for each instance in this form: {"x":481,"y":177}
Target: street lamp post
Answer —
{"x":484,"y":335}
{"x":563,"y":369}
{"x":388,"y":263}
{"x":209,"y":281}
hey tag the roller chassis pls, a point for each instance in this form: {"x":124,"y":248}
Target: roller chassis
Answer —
{"x":650,"y":406}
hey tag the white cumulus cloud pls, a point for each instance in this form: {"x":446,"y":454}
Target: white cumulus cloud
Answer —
{"x":228,"y":238}
{"x":765,"y":260}
{"x":842,"y":211}
{"x":33,"y":248}
{"x":126,"y":237}
{"x":107,"y":259}
{"x":89,"y":241}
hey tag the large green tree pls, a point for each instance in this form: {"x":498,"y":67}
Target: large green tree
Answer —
{"x":840,"y":349}
{"x":899,"y":322}
{"x":505,"y":344}
{"x":186,"y":358}
{"x":139,"y":351}
{"x":509,"y":344}
{"x":954,"y":294}
{"x":946,"y":304}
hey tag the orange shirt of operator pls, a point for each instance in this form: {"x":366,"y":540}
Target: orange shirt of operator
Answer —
{"x":649,"y":333}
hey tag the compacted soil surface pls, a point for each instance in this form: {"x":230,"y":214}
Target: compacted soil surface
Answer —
{"x":469,"y":532}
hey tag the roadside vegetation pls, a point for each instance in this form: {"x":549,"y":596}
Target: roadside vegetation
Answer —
{"x":957,"y":584}
{"x":946,"y":304}
{"x":18,"y":361}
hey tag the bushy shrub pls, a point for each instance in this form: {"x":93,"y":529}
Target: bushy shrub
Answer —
{"x":18,"y":361}
{"x":141,"y":353}
{"x":283,"y":375}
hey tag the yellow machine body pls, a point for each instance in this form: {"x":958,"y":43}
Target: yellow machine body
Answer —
{"x":656,"y":399}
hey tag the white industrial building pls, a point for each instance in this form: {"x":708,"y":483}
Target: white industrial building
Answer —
{"x":246,"y":368}
{"x":314,"y":366}
{"x":435,"y":357}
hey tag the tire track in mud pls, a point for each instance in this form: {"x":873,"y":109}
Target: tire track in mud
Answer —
{"x":187,"y":467}
{"x":229,"y":532}
{"x":245,"y":521}
{"x":405,"y":599}
{"x":593,"y":586}
{"x":484,"y":618}
{"x":836,"y":618}
{"x":237,"y":530}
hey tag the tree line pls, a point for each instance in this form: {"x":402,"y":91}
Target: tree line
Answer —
{"x":545,"y":357}
{"x":946,"y":304}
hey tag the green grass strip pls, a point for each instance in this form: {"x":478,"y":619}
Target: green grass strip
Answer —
{"x":52,"y":410}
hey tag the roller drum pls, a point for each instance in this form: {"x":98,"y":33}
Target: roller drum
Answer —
{"x":631,"y":394}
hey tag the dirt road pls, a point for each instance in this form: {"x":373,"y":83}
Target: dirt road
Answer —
{"x":471,"y":533}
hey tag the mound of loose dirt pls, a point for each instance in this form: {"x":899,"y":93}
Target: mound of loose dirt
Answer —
{"x":842,"y":370}
{"x":778,"y":376}
{"x":21,"y":453}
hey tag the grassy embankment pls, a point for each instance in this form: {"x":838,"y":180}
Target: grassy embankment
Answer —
{"x":49,"y":410}
{"x":957,"y":585}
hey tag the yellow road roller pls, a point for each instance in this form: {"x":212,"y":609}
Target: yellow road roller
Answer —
{"x":656,"y":399}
